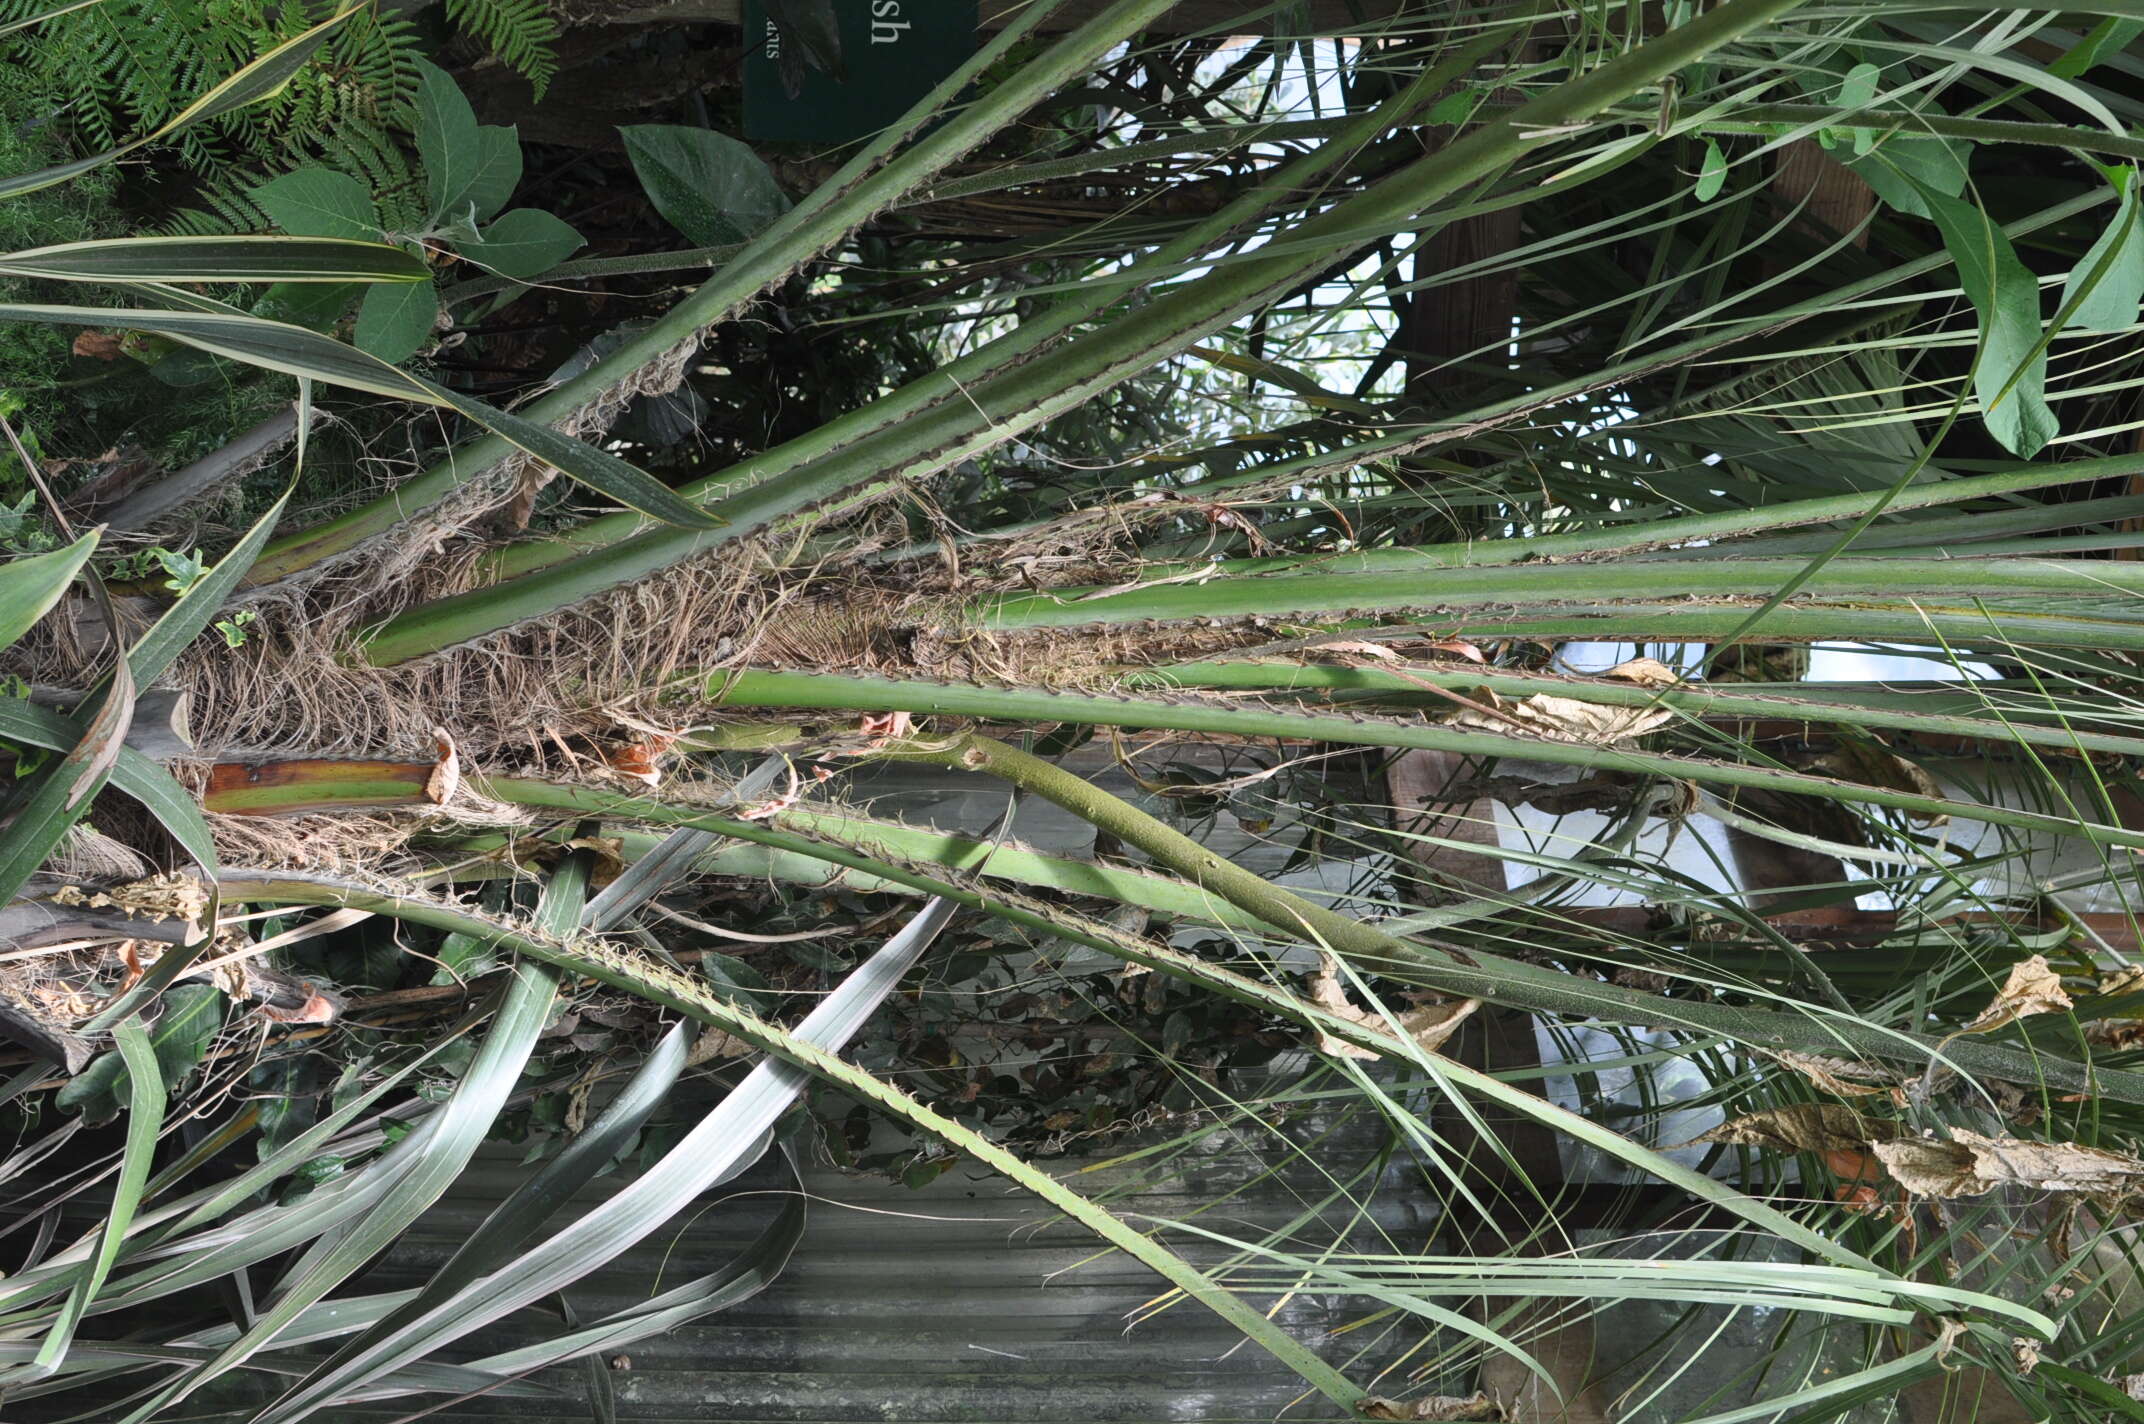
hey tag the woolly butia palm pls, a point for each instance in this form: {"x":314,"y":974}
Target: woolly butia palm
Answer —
{"x":1720,"y":330}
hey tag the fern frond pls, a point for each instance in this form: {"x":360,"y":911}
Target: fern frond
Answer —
{"x":519,"y":32}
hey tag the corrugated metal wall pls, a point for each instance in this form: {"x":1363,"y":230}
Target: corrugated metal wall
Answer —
{"x":960,"y":1301}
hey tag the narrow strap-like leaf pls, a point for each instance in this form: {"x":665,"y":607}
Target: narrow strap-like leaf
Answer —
{"x":730,"y":1135}
{"x":145,"y":1119}
{"x":431,"y":1158}
{"x":190,"y":615}
{"x":60,"y":795}
{"x":259,"y":80}
{"x":218,"y":259}
{"x":310,"y":355}
{"x":135,"y":774}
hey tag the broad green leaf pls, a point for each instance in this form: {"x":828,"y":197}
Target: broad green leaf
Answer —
{"x":220,"y":259}
{"x":155,"y":788}
{"x":712,"y":188}
{"x":1713,"y":175}
{"x":393,"y":323}
{"x":1455,"y":108}
{"x":188,"y":1018}
{"x":30,"y":586}
{"x":2111,"y":36}
{"x":1858,"y":91}
{"x":312,"y":356}
{"x":498,"y":170}
{"x":447,"y":141}
{"x":522,"y":243}
{"x":1902,"y":165}
{"x":320,"y":202}
{"x":316,"y":306}
{"x":2108,"y":282}
{"x":2010,"y":373}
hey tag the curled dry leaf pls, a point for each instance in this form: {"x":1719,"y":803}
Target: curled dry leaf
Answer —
{"x":1806,"y":1127}
{"x":2129,"y":979}
{"x":318,"y":1008}
{"x":1449,"y":1407}
{"x":99,"y":345}
{"x":1646,"y":672}
{"x":609,"y":853}
{"x":2133,"y":1386}
{"x":2118,"y":1034}
{"x":169,"y":896}
{"x":1840,"y":1076}
{"x":1971,"y":1165}
{"x":1367,"y":649}
{"x":640,"y":760}
{"x":1329,"y":994}
{"x":1563,"y":719}
{"x":1429,"y":1025}
{"x":1871,"y":763}
{"x":2032,"y":988}
{"x":446,"y":777}
{"x":712,"y":1044}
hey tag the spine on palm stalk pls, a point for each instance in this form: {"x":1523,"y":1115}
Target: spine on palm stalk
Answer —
{"x":1716,"y":425}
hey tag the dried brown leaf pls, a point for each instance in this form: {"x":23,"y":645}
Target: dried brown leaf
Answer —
{"x":1565,"y":719}
{"x":1429,"y":1025}
{"x":1836,"y":1075}
{"x":1647,"y":672}
{"x":2129,"y":979}
{"x":1444,"y":1407}
{"x":2032,"y":988}
{"x":446,"y":777}
{"x":1805,"y":1127}
{"x":1364,"y":647}
{"x":1871,"y":763}
{"x":1971,"y":1165}
{"x":100,"y":345}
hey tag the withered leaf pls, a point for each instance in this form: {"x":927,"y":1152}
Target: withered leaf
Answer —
{"x":1841,"y":1076}
{"x":2129,"y":979}
{"x":100,"y":345}
{"x":1928,"y":1168}
{"x":1805,"y":1127}
{"x":1429,"y":1025}
{"x":1872,"y":763}
{"x":2032,"y":988}
{"x":1564,"y":719}
{"x":446,"y":777}
{"x":1970,"y":1165}
{"x":1647,"y":672}
{"x":1449,"y":1407}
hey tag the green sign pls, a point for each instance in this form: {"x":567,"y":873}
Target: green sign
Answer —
{"x":893,"y":52}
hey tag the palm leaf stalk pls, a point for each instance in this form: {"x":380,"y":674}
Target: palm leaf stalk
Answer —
{"x":1183,"y":466}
